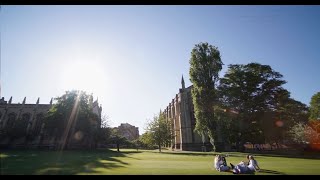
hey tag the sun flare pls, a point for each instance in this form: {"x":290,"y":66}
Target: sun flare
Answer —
{"x":82,"y":75}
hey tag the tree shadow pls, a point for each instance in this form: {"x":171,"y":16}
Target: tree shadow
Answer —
{"x":68,"y":162}
{"x":271,"y":172}
{"x":188,"y":153}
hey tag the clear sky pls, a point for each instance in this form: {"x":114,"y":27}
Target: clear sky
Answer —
{"x":132,"y":57}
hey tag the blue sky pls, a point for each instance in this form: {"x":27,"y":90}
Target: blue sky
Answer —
{"x":132,"y":57}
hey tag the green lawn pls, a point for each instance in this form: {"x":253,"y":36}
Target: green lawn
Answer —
{"x":143,"y":162}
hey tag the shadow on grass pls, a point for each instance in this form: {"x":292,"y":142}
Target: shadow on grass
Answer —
{"x":306,"y":155}
{"x":187,"y":153}
{"x":65,"y":162}
{"x":271,"y":172}
{"x":284,"y":155}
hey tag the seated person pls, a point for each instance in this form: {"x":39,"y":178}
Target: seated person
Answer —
{"x":253,"y":164}
{"x":220,"y":163}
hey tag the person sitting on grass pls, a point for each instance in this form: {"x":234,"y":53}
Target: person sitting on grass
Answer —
{"x":253,"y":164}
{"x":220,"y":163}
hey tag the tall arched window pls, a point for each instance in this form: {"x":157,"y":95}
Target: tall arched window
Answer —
{"x":11,"y":120}
{"x":1,"y":122}
{"x":24,"y":120}
{"x":39,"y":122}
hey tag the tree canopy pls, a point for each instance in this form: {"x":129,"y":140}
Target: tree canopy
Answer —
{"x":315,"y":107}
{"x":158,"y":131}
{"x":205,"y":65}
{"x":71,"y":119}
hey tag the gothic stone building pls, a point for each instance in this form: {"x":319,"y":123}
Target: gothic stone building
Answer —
{"x":30,"y":118}
{"x":180,"y":112}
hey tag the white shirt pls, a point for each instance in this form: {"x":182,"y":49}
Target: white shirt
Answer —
{"x":252,"y":165}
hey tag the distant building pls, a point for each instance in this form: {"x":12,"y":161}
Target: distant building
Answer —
{"x":128,"y":131}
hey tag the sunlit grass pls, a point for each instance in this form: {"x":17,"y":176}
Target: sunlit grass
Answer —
{"x":142,"y":162}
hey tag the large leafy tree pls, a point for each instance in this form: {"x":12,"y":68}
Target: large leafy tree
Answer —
{"x":205,"y":65}
{"x":117,"y":139}
{"x":250,"y":89}
{"x":159,"y":131}
{"x":71,"y":117}
{"x":315,"y":107}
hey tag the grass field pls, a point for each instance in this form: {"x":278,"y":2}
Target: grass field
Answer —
{"x":132,"y":162}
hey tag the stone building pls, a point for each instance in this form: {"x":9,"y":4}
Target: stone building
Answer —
{"x":30,"y":118}
{"x":180,"y":112}
{"x":128,"y":131}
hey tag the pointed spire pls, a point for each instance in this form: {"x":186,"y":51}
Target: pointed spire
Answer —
{"x":182,"y":83}
{"x":51,"y":101}
{"x":24,"y":100}
{"x":38,"y":100}
{"x":10,"y":100}
{"x":91,"y":98}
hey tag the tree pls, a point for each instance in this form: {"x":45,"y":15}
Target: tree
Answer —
{"x":304,"y":134}
{"x":137,"y":143}
{"x":159,"y":131}
{"x":117,"y":138}
{"x":315,"y":107}
{"x":251,"y":90}
{"x":147,"y":140}
{"x":72,"y":119}
{"x":288,"y":113}
{"x":315,"y":138}
{"x":205,"y":65}
{"x":103,"y":134}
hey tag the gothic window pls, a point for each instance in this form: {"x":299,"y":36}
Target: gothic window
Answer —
{"x":39,"y":122}
{"x":25,"y":119}
{"x":11,"y":120}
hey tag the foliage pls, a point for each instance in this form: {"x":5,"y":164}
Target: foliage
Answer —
{"x":315,"y":107}
{"x":250,"y":89}
{"x":71,"y":118}
{"x":137,"y":143}
{"x":147,"y":140}
{"x":226,"y":127}
{"x":205,"y":65}
{"x":103,"y":134}
{"x":117,"y":138}
{"x":315,"y":138}
{"x":304,"y":134}
{"x":159,"y":131}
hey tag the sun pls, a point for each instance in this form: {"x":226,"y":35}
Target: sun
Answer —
{"x":82,"y":75}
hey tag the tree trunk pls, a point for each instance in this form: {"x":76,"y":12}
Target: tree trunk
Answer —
{"x":118,"y":148}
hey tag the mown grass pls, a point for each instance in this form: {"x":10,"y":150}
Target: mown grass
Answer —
{"x":132,"y":162}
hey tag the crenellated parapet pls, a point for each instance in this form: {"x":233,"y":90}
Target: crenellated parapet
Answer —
{"x":12,"y":112}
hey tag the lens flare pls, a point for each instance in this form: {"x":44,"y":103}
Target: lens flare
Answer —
{"x":279,"y":123}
